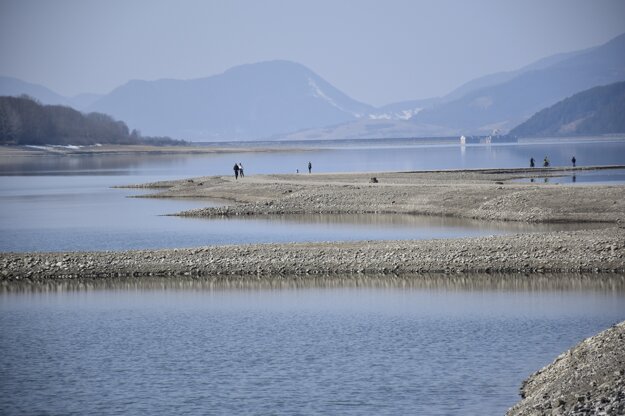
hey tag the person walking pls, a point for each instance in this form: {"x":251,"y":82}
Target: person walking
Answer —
{"x":236,"y":171}
{"x":309,"y":167}
{"x":241,"y":170}
{"x":574,"y":161}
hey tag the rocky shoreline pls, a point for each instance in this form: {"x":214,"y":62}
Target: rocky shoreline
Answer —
{"x":588,"y":379}
{"x":582,"y":251}
{"x":485,"y":194}
{"x":481,"y":194}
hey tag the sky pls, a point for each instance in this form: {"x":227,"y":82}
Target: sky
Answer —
{"x":378,"y":52}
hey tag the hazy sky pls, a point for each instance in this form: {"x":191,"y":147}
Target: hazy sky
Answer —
{"x":375,"y":51}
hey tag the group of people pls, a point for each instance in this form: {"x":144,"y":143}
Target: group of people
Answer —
{"x":546,"y":162}
{"x":238,"y":170}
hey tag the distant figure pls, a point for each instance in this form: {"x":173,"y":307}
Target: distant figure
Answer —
{"x":546,"y":162}
{"x":296,"y":170}
{"x":573,"y":161}
{"x":236,"y":171}
{"x":309,"y":167}
{"x":574,"y":178}
{"x":531,"y":162}
{"x":241,"y":170}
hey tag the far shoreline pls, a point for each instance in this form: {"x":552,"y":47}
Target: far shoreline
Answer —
{"x":258,"y":146}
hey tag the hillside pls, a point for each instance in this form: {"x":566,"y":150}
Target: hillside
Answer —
{"x":246,"y":102}
{"x":506,"y":104}
{"x":282,"y":99}
{"x":599,"y":110}
{"x":24,"y":121}
{"x":15,"y":87}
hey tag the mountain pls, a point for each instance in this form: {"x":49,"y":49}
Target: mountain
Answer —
{"x":245,"y":102}
{"x":450,"y":114}
{"x":15,"y":87}
{"x":599,"y":110}
{"x":508,"y":103}
{"x":366,"y":128}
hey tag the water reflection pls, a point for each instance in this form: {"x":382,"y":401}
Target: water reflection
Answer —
{"x":599,"y":176}
{"x":427,"y":225}
{"x":446,"y":282}
{"x":327,"y":156}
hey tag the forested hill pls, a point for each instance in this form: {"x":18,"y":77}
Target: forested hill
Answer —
{"x":24,"y":121}
{"x":599,"y":110}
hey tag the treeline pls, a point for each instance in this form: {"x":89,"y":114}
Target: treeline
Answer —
{"x":599,"y":110}
{"x":24,"y":121}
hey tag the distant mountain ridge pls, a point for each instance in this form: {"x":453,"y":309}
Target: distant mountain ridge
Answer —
{"x":282,"y":99}
{"x":245,"y":102}
{"x":506,"y":104}
{"x":14,"y":87}
{"x":599,"y":110}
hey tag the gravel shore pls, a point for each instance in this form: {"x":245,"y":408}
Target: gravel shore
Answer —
{"x":588,"y":379}
{"x":595,"y":251}
{"x":481,"y":194}
{"x":477,"y":194}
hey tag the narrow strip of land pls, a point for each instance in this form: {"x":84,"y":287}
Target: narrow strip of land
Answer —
{"x":479,"y":194}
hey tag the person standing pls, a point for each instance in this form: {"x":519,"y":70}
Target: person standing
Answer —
{"x":531,"y":162}
{"x":546,"y":162}
{"x":236,"y":171}
{"x":309,"y":167}
{"x":241,"y":170}
{"x":574,"y":161}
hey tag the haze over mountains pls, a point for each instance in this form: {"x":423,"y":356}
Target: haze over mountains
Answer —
{"x":285,"y":100}
{"x":599,"y":110}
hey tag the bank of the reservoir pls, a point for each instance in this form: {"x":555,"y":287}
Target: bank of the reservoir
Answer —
{"x":596,"y":250}
{"x":588,"y":379}
{"x":481,"y":194}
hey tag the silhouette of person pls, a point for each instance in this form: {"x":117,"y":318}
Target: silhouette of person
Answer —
{"x":236,"y":171}
{"x":531,"y":162}
{"x":573,"y":161}
{"x":309,"y":167}
{"x":546,"y":162}
{"x":241,"y":170}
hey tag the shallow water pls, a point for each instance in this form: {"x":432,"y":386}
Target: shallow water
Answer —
{"x":58,"y":203}
{"x":591,"y":177}
{"x":87,"y":217}
{"x":339,"y":156}
{"x":446,"y":345}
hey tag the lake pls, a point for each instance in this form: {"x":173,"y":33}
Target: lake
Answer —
{"x":435,"y":345}
{"x":58,"y":203}
{"x":445,"y":345}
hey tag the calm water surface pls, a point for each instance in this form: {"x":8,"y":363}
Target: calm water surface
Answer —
{"x":431,"y":348}
{"x":66,"y":203}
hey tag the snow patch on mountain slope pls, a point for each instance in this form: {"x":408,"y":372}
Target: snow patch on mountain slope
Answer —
{"x":318,"y":93}
{"x":401,"y":115}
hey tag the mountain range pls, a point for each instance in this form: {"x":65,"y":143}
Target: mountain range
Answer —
{"x":286,"y":100}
